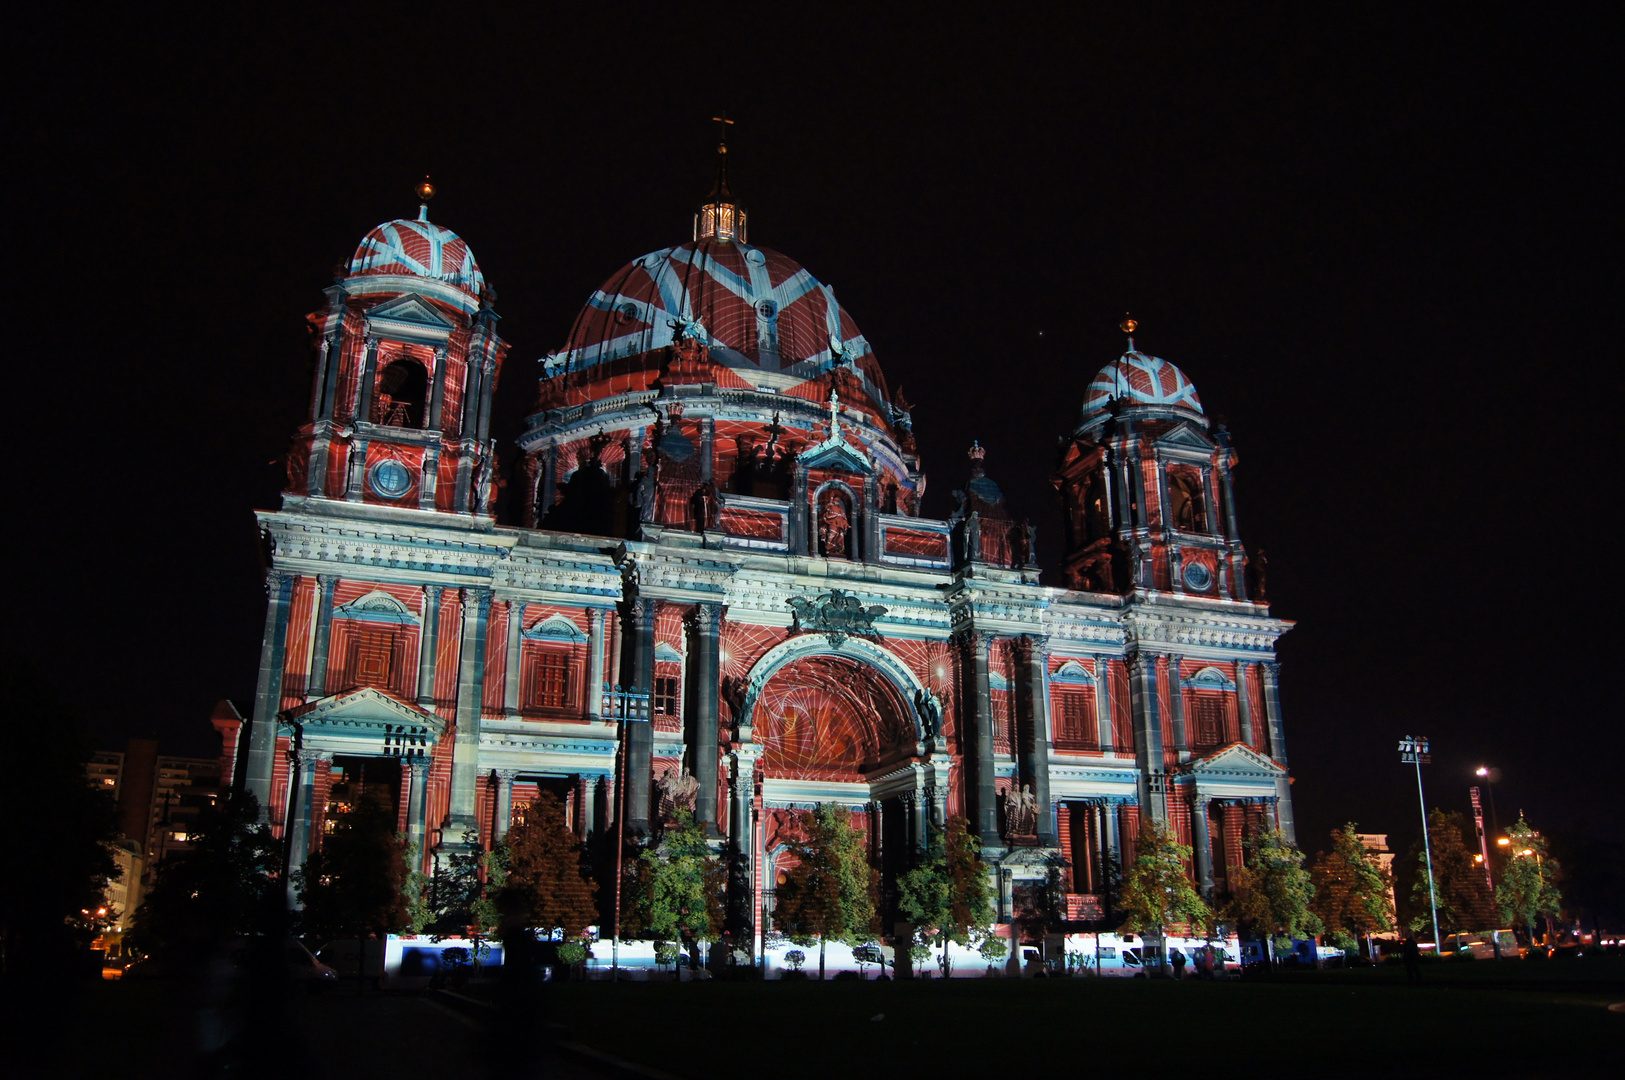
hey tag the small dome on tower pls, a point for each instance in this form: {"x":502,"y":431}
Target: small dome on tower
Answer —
{"x":421,"y":249}
{"x":1139,"y":380}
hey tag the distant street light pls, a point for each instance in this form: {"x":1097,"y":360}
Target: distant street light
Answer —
{"x":1415,"y":750}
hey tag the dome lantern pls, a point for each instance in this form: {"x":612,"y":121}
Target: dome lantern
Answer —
{"x":720,"y":218}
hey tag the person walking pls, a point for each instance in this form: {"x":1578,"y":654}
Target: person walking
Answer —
{"x":1179,"y":964}
{"x":1413,"y":960}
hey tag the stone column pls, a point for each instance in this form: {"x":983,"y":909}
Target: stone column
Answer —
{"x":1271,"y":671}
{"x":978,"y":643}
{"x":268,"y":693}
{"x":428,"y":642}
{"x":417,"y":803}
{"x":1111,"y":815}
{"x":437,"y":398}
{"x":504,"y":810}
{"x":1103,"y":703}
{"x":1244,"y":703}
{"x":1147,"y":730}
{"x":1272,"y":714}
{"x":317,"y":687}
{"x":595,"y":669}
{"x":1036,"y":765}
{"x":550,"y":480}
{"x":706,"y":622}
{"x":1176,"y":701}
{"x":1203,"y":843}
{"x":1210,"y":511}
{"x":306,"y":812}
{"x":363,"y":392}
{"x":636,"y":733}
{"x":510,"y":681}
{"x":470,"y":695}
{"x":1230,"y":531}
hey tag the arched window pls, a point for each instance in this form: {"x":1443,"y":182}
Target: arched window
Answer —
{"x":1186,"y":509}
{"x":403,"y":388}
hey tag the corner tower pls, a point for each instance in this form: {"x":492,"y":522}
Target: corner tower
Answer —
{"x":407,"y":360}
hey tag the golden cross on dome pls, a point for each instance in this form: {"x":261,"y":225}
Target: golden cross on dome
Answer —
{"x":723,"y":124}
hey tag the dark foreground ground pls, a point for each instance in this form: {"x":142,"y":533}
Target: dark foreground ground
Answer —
{"x":1489,"y":1019}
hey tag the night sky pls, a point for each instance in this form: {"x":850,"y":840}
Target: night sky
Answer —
{"x":1375,"y":241}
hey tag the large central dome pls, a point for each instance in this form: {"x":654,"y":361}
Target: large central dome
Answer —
{"x":759,"y":313}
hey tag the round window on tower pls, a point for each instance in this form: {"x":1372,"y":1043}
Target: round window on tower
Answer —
{"x":1197,"y":576}
{"x":626,"y":313}
{"x":767,"y":309}
{"x":390,"y":479}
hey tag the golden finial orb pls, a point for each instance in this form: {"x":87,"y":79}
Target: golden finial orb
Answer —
{"x":425,"y":190}
{"x":1128,"y":325}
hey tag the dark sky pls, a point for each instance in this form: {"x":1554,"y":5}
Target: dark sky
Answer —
{"x":1375,"y":240}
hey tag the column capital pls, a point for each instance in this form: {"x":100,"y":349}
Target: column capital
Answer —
{"x":419,"y":766}
{"x":506,"y":776}
{"x":328,"y":582}
{"x":705,"y":617}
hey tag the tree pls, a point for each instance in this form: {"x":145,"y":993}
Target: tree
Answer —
{"x":1351,"y":890}
{"x":219,"y":889}
{"x":1157,"y":889}
{"x":1272,"y":891}
{"x":1463,"y":896}
{"x":355,"y":884}
{"x":946,"y":895}
{"x":831,"y":893}
{"x":67,"y":871}
{"x":453,"y":900}
{"x":1527,"y":890}
{"x":547,"y":880}
{"x":677,"y":891}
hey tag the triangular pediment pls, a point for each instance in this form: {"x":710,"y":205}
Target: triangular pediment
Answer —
{"x":409,"y":317}
{"x":412,"y":309}
{"x":1237,"y":759}
{"x":836,"y":454}
{"x":1186,"y":436}
{"x":367,"y":712}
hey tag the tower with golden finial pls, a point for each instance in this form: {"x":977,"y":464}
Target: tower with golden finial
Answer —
{"x":720,"y":218}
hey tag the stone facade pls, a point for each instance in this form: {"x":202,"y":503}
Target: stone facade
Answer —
{"x":719,"y":593}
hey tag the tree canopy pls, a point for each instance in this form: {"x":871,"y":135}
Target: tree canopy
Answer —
{"x":945,"y":896}
{"x":355,"y":883}
{"x":831,"y":893}
{"x":678,"y":886}
{"x":221,"y":888}
{"x":1528,"y":889}
{"x":547,"y":880}
{"x":1272,"y":891}
{"x":1157,"y":890}
{"x":1462,"y":895}
{"x":1351,"y":889}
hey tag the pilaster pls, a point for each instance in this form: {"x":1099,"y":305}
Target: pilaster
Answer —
{"x":268,"y":693}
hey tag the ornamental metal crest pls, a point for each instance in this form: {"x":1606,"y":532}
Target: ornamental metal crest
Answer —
{"x":837,"y":614}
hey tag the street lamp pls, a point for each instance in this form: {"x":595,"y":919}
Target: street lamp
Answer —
{"x":1415,"y":750}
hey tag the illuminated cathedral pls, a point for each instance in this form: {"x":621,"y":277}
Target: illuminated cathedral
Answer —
{"x":719,"y":593}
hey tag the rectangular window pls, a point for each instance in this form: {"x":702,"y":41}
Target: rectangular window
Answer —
{"x":1075,"y":716}
{"x":552,"y":681}
{"x":665,"y":702}
{"x":1207,"y":718}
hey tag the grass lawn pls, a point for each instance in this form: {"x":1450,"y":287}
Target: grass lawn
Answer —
{"x":1073,"y":1027}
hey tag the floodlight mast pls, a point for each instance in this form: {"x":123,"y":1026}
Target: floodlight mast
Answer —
{"x":1416,"y":750}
